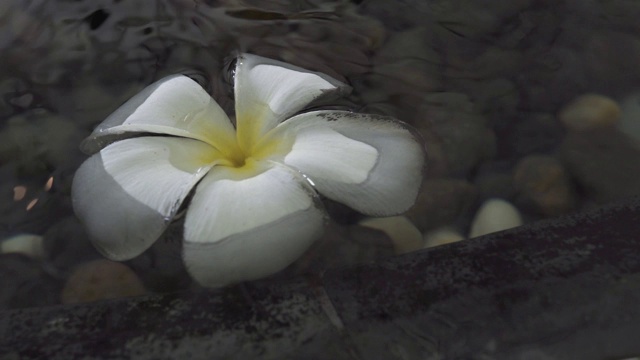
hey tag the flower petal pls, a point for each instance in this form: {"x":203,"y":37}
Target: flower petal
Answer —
{"x":373,"y":164}
{"x":175,"y":105}
{"x":127,"y":193}
{"x":241,"y":229}
{"x":269,"y":91}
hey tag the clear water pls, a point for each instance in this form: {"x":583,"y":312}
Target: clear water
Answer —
{"x":482,"y":85}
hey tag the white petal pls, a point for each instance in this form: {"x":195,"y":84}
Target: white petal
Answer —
{"x":269,"y":91}
{"x":241,"y":229}
{"x":127,"y":193}
{"x":175,"y":105}
{"x":343,"y":166}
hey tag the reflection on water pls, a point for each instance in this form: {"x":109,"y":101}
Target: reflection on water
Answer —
{"x":488,"y":87}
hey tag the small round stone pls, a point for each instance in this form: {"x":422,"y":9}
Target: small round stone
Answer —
{"x":543,"y":183}
{"x":402,"y":232}
{"x":27,"y":244}
{"x":442,"y":236}
{"x":100,"y":280}
{"x":442,"y":201}
{"x":590,"y":111}
{"x":494,"y":215}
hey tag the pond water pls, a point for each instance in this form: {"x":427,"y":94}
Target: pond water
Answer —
{"x":536,"y":103}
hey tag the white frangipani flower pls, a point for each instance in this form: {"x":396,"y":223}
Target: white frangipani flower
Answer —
{"x":255,"y":208}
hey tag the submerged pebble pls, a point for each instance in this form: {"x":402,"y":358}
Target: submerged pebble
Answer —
{"x":589,"y":112}
{"x":604,"y":163}
{"x":27,"y":244}
{"x":494,"y":215}
{"x":630,"y":119}
{"x":441,"y":201}
{"x":404,"y":235}
{"x":25,"y":283}
{"x":442,"y":236}
{"x":543,"y":183}
{"x":100,"y":280}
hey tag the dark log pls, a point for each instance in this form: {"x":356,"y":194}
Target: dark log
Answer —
{"x":559,"y":289}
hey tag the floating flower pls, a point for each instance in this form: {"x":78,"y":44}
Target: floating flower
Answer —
{"x":255,"y":206}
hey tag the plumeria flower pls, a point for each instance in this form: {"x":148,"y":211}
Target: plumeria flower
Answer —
{"x":255,"y":206}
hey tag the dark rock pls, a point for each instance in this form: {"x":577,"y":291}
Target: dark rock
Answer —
{"x":543,"y":184}
{"x":25,"y":283}
{"x":603,"y":163}
{"x":442,"y":202}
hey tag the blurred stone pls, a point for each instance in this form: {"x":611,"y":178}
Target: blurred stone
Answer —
{"x":498,"y":97}
{"x":343,"y":246}
{"x":37,"y":208}
{"x":101,"y":280}
{"x":442,"y":236}
{"x":589,"y":112}
{"x":397,"y":15}
{"x":473,"y":20}
{"x":610,"y":57}
{"x":466,"y":140}
{"x":441,"y":202}
{"x":404,"y":235}
{"x":604,"y":163}
{"x":494,"y":215}
{"x":26,"y":244}
{"x":494,"y":180}
{"x":67,"y":245}
{"x":630,"y":119}
{"x":543,"y":183}
{"x":161,"y":267}
{"x":416,"y":43}
{"x":38,"y":140}
{"x":529,"y":133}
{"x":25,"y":284}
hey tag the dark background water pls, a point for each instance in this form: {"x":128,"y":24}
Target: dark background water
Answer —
{"x":484,"y":82}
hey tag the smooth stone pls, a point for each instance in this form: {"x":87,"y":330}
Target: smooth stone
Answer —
{"x":465,"y":138}
{"x":473,"y":20}
{"x":343,"y":246}
{"x":161,"y":267}
{"x":604,"y":163}
{"x":39,"y":139}
{"x":494,"y":215}
{"x":589,"y":112}
{"x":27,"y":244}
{"x":25,"y":283}
{"x":630,"y":119}
{"x":441,"y":202}
{"x":403,"y":233}
{"x":442,"y":236}
{"x":101,"y":280}
{"x":494,"y":180}
{"x":543,"y":183}
{"x":67,"y":245}
{"x":529,"y":133}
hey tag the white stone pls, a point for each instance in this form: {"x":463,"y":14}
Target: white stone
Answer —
{"x":403,"y":233}
{"x":441,"y":236}
{"x":27,"y":244}
{"x":494,"y":215}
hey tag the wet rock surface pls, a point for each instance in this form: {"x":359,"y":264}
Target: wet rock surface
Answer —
{"x":552,"y":290}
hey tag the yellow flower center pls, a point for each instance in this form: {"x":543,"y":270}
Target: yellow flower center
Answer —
{"x":245,"y":155}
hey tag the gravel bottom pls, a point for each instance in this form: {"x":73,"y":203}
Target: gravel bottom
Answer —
{"x":533,"y":104}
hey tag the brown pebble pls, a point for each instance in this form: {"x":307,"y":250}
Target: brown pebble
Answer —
{"x":543,"y":183}
{"x":441,"y":202}
{"x":590,"y":111}
{"x":100,"y":280}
